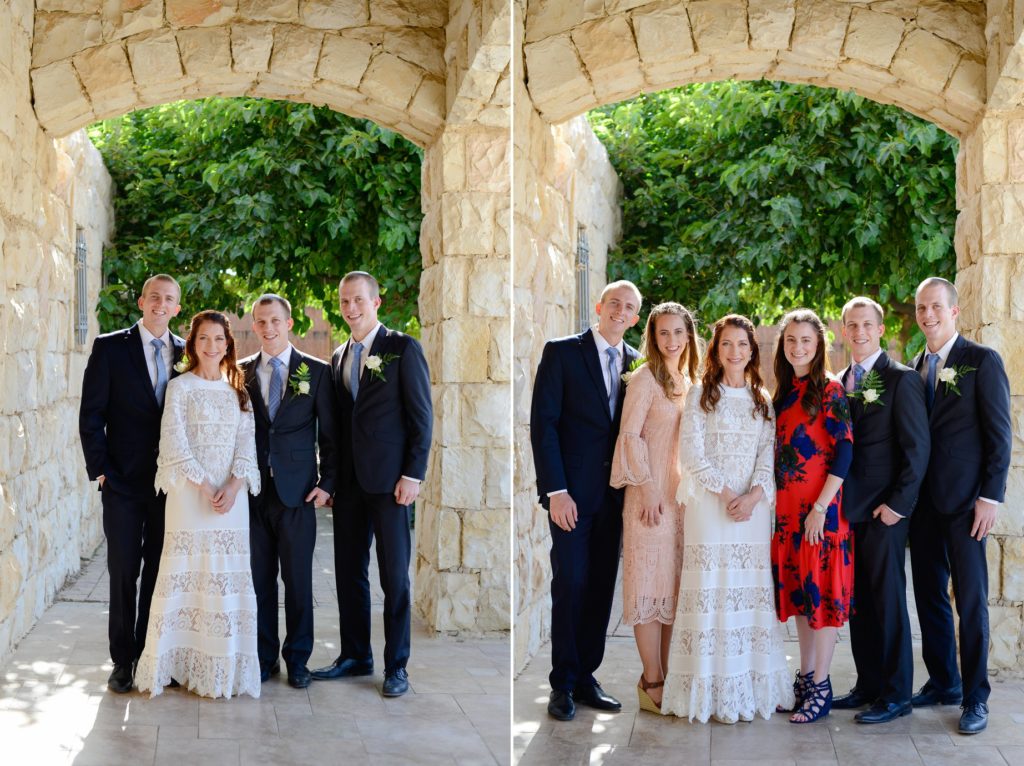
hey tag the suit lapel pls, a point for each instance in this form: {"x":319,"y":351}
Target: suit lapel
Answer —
{"x":593,"y":365}
{"x":379,"y":343}
{"x":138,"y":357}
{"x":954,"y":358}
{"x":177,"y":351}
{"x":252,"y":382}
{"x":287,"y":394}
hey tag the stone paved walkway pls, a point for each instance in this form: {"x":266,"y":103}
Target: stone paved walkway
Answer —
{"x":926,"y":738}
{"x":54,"y":707}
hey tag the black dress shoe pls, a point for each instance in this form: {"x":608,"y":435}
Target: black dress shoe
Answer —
{"x":299,"y":677}
{"x":266,"y":671}
{"x":595,"y":696}
{"x":852,"y":700}
{"x":121,"y":680}
{"x":173,"y":684}
{"x":929,"y":695}
{"x":396,"y":683}
{"x":974,"y":718}
{"x":883,"y":712}
{"x":343,"y":667}
{"x":561,"y":706}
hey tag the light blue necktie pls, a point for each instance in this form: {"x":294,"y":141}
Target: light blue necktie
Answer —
{"x":161,"y":369}
{"x":613,"y":370}
{"x":858,"y":376}
{"x":275,"y":387}
{"x":353,"y":378}
{"x":933,"y":363}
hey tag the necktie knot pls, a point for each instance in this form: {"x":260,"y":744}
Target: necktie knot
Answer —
{"x":276,"y":363}
{"x":157,"y":344}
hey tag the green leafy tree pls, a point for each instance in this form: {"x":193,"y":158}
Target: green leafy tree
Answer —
{"x":235,"y":197}
{"x":758,"y":197}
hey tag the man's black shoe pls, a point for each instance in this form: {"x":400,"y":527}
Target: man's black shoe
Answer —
{"x":883,"y":712}
{"x":343,"y":667}
{"x":396,"y":683}
{"x":595,"y":696}
{"x":121,"y":680}
{"x":852,"y":700}
{"x":173,"y":684}
{"x":269,"y":670}
{"x":974,"y":718}
{"x":929,"y":695}
{"x":561,"y":706}
{"x":299,"y":677}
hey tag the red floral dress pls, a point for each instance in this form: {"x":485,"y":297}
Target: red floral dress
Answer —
{"x":812,"y":581}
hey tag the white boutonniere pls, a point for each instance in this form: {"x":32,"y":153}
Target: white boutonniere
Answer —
{"x":951,"y":377}
{"x":633,"y":367}
{"x":299,"y":381}
{"x":182,"y":364}
{"x":871,"y":390}
{"x":376,"y":364}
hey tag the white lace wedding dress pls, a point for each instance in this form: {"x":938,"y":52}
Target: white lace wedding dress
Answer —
{"x":202,"y":624}
{"x":726,"y":658}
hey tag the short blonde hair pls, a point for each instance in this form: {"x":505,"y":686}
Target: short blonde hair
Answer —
{"x":623,"y":283}
{"x":863,"y":302}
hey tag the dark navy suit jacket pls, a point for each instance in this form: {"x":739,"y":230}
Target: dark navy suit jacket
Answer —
{"x":571,"y":425}
{"x":971,"y":433}
{"x":288,"y":443}
{"x":119,"y":417}
{"x":385,"y":434}
{"x":890,"y":446}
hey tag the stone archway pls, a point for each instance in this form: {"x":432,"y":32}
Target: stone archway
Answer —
{"x":958,"y":65}
{"x":434,"y":71}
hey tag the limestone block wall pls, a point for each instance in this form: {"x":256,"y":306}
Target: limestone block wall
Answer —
{"x":462,"y":541}
{"x":563,"y":179}
{"x":49,"y":512}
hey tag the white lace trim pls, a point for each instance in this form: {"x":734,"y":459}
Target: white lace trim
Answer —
{"x":213,"y":624}
{"x":729,"y":698}
{"x":726,"y":600}
{"x":732,"y":556}
{"x":650,"y":609}
{"x":204,"y":583}
{"x":204,"y":674}
{"x":726,"y":642}
{"x":187,"y":542}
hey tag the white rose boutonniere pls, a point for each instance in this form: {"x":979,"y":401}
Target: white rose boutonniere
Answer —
{"x":376,"y":364}
{"x":299,"y":381}
{"x":870,"y":390}
{"x":633,"y":367}
{"x":951,"y":377}
{"x":182,"y":364}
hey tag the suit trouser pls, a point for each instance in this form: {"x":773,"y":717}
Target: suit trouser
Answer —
{"x":584,"y":565}
{"x":880,"y":625}
{"x":134,"y":528}
{"x":279,"y":533}
{"x":940,"y":547}
{"x":359,"y":517}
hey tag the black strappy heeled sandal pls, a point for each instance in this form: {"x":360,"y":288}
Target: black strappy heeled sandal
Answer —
{"x":817,"y":704}
{"x":801,"y":688}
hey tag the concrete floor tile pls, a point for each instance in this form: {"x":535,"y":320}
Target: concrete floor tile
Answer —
{"x":106,"y":746}
{"x":291,"y":752}
{"x":174,"y":749}
{"x":1013,"y":755}
{"x":238,"y":718}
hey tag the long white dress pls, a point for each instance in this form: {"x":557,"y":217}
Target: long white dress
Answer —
{"x":726,"y":658}
{"x":202,"y":623}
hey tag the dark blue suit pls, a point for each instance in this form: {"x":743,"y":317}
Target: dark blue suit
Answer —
{"x":383,"y":435}
{"x":970,"y":458}
{"x":573,"y":433}
{"x":282,"y":525}
{"x":119,"y":424}
{"x":890,"y":455}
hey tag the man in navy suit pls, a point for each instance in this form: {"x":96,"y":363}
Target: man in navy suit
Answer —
{"x":968,"y":398}
{"x":574,"y":422}
{"x":890,"y":456}
{"x":385,"y":418}
{"x":294,"y":405}
{"x":119,"y":424}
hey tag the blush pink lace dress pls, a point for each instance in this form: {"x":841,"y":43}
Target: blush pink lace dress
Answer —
{"x":647,"y":452}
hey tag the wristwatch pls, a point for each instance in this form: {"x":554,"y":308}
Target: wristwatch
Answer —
{"x":819,"y":508}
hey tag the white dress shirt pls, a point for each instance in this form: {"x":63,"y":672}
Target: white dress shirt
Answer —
{"x":866,"y":365}
{"x":264,"y":370}
{"x":346,"y":371}
{"x":147,"y":351}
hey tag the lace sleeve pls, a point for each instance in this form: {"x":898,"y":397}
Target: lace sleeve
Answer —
{"x":244,"y":465}
{"x":630,"y":465}
{"x":175,"y":460}
{"x":692,"y":447}
{"x":764,"y":465}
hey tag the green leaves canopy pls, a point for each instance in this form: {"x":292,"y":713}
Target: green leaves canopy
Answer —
{"x":758,"y":197}
{"x":235,"y":197}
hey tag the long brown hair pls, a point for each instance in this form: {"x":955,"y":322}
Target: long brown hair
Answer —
{"x":688,"y":360}
{"x":820,"y":367}
{"x":714,"y":372}
{"x":229,"y":364}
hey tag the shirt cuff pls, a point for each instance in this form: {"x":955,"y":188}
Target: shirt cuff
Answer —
{"x":890,"y":510}
{"x":418,"y":481}
{"x":557,"y":492}
{"x":994,"y":502}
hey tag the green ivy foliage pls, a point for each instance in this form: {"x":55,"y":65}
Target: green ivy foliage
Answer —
{"x":236,"y":197}
{"x":758,"y":197}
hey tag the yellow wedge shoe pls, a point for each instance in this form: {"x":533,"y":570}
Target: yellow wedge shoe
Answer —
{"x":646,"y":703}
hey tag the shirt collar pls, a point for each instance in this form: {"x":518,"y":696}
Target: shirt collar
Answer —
{"x":148,"y":337}
{"x":944,"y":351}
{"x":285,"y":357}
{"x":603,"y":345}
{"x":370,"y":337}
{"x":870,"y":362}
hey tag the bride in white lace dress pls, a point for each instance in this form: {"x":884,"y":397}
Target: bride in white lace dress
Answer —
{"x":202,"y":624}
{"x":726,"y":659}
